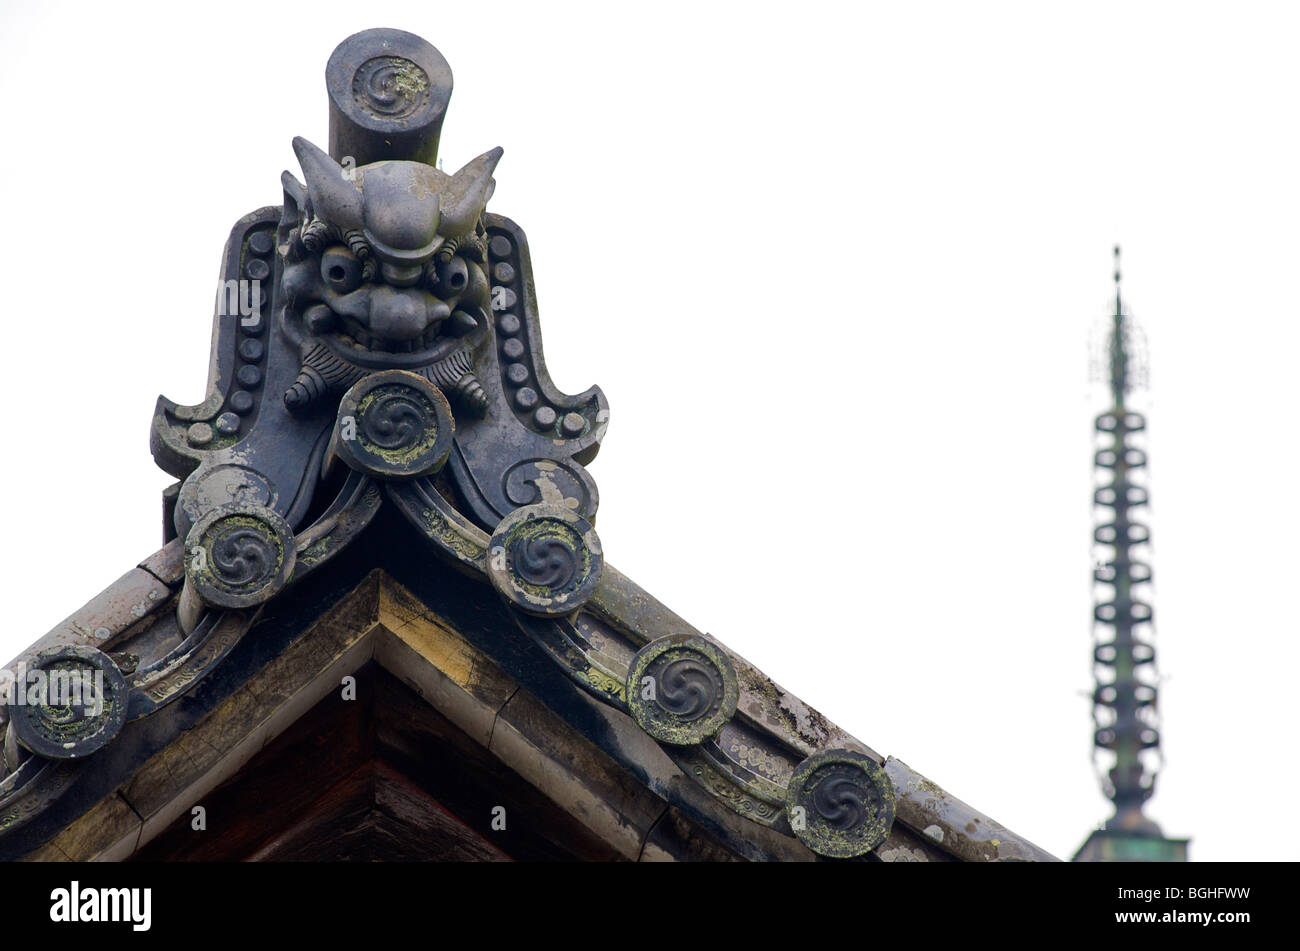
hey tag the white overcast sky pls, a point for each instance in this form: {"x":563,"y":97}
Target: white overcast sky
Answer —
{"x":834,"y":265}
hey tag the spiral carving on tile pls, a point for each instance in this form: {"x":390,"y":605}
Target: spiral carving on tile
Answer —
{"x":395,"y":419}
{"x":239,"y":555}
{"x":681,"y":689}
{"x":840,"y":803}
{"x":531,"y":481}
{"x":390,"y":87}
{"x":551,"y":560}
{"x":545,"y":559}
{"x":394,"y":425}
{"x":69,"y":703}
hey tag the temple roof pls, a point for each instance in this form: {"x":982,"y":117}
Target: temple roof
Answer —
{"x":453,"y":642}
{"x":381,"y":547}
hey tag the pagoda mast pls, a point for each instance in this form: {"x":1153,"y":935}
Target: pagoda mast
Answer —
{"x":1124,"y":699}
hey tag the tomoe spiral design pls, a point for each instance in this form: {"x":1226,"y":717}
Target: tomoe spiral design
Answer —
{"x":682,"y":689}
{"x":394,"y":419}
{"x":242,"y":555}
{"x":840,"y":803}
{"x":687,"y":688}
{"x":238,"y":555}
{"x":838,"y":800}
{"x":390,"y":87}
{"x":73,"y":703}
{"x":546,"y":559}
{"x":393,"y":424}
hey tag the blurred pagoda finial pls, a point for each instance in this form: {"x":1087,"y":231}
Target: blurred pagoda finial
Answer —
{"x":1124,"y":700}
{"x":1118,"y":348}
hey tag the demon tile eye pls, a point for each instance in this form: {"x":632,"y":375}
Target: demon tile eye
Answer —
{"x":453,"y":276}
{"x":340,"y":269}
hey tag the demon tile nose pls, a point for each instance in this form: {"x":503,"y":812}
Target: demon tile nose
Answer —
{"x":398,"y":314}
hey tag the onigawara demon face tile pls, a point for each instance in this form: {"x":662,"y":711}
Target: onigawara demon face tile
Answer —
{"x":385,"y":268}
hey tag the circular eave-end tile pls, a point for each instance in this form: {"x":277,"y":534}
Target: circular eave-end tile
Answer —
{"x":72,"y":702}
{"x":840,"y":803}
{"x":394,"y":424}
{"x":239,"y":555}
{"x":681,"y":689}
{"x":545,"y":559}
